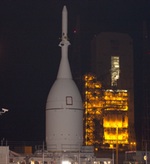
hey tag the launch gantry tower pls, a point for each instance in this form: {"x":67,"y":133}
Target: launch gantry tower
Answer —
{"x":106,"y":116}
{"x":93,"y":110}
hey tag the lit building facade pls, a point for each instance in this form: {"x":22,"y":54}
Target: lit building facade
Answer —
{"x":112,"y":65}
{"x":115,"y":120}
{"x":106,"y":116}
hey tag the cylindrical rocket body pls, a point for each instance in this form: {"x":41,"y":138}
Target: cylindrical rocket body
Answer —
{"x":64,"y":117}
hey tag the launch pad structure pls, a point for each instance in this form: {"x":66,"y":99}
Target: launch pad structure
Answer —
{"x":112,"y":65}
{"x":106,"y":116}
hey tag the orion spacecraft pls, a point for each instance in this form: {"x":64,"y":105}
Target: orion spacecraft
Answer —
{"x":64,"y":109}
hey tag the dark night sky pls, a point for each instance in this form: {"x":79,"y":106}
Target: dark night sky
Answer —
{"x":29,"y":52}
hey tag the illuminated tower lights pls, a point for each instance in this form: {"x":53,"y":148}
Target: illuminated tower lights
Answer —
{"x":106,"y":119}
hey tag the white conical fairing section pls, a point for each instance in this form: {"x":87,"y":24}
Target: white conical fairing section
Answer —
{"x":64,"y":67}
{"x":64,"y":111}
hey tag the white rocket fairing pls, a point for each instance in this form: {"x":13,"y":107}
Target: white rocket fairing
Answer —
{"x":64,"y":111}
